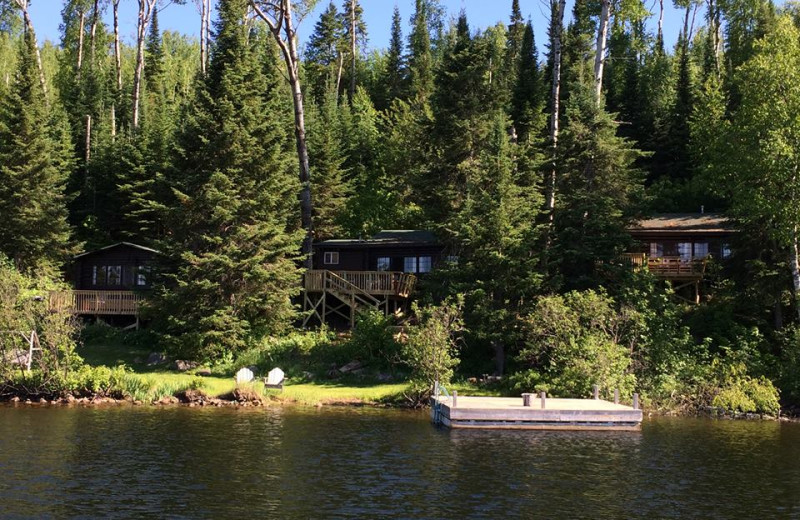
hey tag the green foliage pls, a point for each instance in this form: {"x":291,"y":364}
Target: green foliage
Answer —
{"x":579,"y":340}
{"x":739,"y":392}
{"x":431,"y":349}
{"x":232,"y":243}
{"x":372,"y":341}
{"x":34,"y":167}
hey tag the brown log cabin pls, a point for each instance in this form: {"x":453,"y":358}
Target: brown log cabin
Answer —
{"x":379,"y":272}
{"x":108,"y":281}
{"x":677,"y":246}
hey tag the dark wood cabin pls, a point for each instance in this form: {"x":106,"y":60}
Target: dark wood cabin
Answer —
{"x":676,"y":247}
{"x":685,"y":236}
{"x":108,"y":282}
{"x":406,"y":251}
{"x":121,"y":266}
{"x":352,"y":275}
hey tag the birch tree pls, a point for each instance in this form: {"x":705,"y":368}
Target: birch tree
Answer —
{"x":282,"y":18}
{"x":764,"y":148}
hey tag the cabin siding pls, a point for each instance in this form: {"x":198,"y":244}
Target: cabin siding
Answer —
{"x":365,"y":257}
{"x":128,"y":258}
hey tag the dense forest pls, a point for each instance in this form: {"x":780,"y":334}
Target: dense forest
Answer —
{"x":528,"y":154}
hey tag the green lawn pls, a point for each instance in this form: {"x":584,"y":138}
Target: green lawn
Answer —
{"x":152,"y":383}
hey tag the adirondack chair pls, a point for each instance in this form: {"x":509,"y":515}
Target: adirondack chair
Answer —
{"x":275,"y":379}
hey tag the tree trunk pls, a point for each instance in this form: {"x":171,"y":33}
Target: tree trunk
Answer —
{"x":88,"y":153}
{"x":23,"y":4}
{"x":353,"y":48}
{"x":556,"y":28}
{"x":113,"y":122}
{"x":207,"y":34}
{"x":117,"y":51}
{"x":93,"y":32}
{"x":145,"y":10}
{"x":203,"y":37}
{"x":81,"y":30}
{"x":279,"y":19}
{"x":794,"y":265}
{"x":660,"y":38}
{"x":600,"y":51}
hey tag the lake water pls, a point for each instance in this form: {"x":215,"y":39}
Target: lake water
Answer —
{"x":365,"y":463}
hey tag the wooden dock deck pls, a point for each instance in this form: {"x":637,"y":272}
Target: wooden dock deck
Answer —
{"x":510,"y":413}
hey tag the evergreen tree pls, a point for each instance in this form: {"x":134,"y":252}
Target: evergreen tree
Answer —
{"x":233,"y":241}
{"x":326,"y":157}
{"x":355,"y":41}
{"x":528,"y":96}
{"x":35,"y":162}
{"x":395,"y":78}
{"x":420,"y":59}
{"x":324,"y":58}
{"x":599,"y":190}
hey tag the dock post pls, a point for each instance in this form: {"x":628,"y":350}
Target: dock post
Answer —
{"x":635,"y":401}
{"x":544,"y":398}
{"x":616,"y":396}
{"x":526,"y":399}
{"x":596,"y":391}
{"x":436,"y":389}
{"x":455,"y":398}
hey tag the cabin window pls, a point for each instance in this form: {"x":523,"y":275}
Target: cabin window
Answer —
{"x":114,"y":275}
{"x":726,"y":250}
{"x":384,"y":263}
{"x":142,"y":273}
{"x":425,"y":264}
{"x":98,"y":275}
{"x":701,"y":249}
{"x":331,"y":258}
{"x":451,"y":259}
{"x":410,"y":264}
{"x":685,"y":251}
{"x":656,"y":249}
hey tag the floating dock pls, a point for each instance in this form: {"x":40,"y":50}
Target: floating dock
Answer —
{"x":534,"y":413}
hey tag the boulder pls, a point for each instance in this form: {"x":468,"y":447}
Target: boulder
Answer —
{"x":350,"y":367}
{"x":205,"y":372}
{"x":156,"y":358}
{"x":183,"y":366}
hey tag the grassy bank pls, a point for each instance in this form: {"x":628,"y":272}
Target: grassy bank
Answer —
{"x":148,"y":384}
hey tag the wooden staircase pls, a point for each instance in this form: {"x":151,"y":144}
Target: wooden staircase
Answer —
{"x":352,"y":292}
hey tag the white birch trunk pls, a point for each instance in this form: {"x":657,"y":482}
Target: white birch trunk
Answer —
{"x":794,"y":265}
{"x":556,"y":27}
{"x":117,"y":51}
{"x":353,"y":48}
{"x":600,"y":50}
{"x":81,"y":30}
{"x":23,"y":4}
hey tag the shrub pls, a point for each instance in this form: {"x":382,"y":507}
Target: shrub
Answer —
{"x":576,"y":341}
{"x":432,"y":345}
{"x":372,"y":340}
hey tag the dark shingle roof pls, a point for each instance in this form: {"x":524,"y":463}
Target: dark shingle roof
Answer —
{"x":118,"y":244}
{"x":387,"y":237}
{"x":684,"y":222}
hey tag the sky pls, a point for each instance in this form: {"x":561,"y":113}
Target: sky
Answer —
{"x":46,"y":17}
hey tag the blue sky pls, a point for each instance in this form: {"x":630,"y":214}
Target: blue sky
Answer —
{"x":378,"y":13}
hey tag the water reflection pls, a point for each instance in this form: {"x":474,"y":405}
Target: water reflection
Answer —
{"x":356,"y":463}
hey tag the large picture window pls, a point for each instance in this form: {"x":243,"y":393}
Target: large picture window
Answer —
{"x":700,"y":249}
{"x":656,"y":249}
{"x":410,"y":264}
{"x":685,"y":251}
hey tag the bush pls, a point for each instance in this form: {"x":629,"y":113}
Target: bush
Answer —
{"x":432,"y":345}
{"x":372,"y":341}
{"x":575,"y":341}
{"x":739,"y":392}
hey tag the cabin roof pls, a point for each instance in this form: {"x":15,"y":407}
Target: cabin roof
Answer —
{"x":387,"y":237}
{"x":706,"y":223}
{"x":118,"y":244}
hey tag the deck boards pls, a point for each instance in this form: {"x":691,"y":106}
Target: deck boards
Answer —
{"x":558,"y":414}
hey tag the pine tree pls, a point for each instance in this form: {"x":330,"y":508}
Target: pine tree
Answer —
{"x":516,"y":35}
{"x":420,"y":59}
{"x":395,"y":80}
{"x":35,"y":162}
{"x":324,"y":56}
{"x":528,"y":95}
{"x":232,"y":237}
{"x":326,"y":157}
{"x":355,"y":41}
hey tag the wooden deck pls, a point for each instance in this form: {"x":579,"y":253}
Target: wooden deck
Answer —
{"x":509,"y":413}
{"x":96,"y":303}
{"x":345,"y":293}
{"x":668,"y":267}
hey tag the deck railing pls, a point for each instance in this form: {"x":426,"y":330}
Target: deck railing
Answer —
{"x":667,"y":266}
{"x":385,"y":283}
{"x":122,"y":303}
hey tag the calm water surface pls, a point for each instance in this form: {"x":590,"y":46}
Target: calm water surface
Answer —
{"x":364,"y":463}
